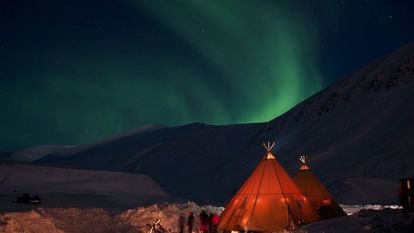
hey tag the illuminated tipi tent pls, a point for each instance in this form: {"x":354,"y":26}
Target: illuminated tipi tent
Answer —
{"x":268,"y":201}
{"x":316,"y":193}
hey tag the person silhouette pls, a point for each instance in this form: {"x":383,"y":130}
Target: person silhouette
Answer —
{"x":181,"y":222}
{"x":190,"y":222}
{"x":204,"y":222}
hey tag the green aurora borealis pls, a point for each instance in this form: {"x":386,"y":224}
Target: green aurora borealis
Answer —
{"x":267,"y":57}
{"x":72,"y":76}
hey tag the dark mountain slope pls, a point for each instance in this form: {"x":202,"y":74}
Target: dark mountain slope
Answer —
{"x":360,"y":129}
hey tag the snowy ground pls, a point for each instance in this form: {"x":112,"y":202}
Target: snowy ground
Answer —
{"x":99,"y":220}
{"x":64,"y":188}
{"x":366,"y":220}
{"x":360,"y":219}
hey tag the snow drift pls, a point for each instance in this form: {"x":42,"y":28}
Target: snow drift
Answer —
{"x":59,"y":220}
{"x":59,"y":187}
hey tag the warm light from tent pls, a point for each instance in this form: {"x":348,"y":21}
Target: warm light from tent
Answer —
{"x":326,"y":202}
{"x":244,"y":221}
{"x":284,"y":200}
{"x":408,"y":184}
{"x":304,"y":167}
{"x":270,"y":156}
{"x":305,"y":199}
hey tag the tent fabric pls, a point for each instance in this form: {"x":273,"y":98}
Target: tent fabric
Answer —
{"x":268,"y":201}
{"x":318,"y":196}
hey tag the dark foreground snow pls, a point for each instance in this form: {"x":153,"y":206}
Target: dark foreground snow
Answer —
{"x":75,"y":220}
{"x":366,"y":220}
{"x":135,"y":220}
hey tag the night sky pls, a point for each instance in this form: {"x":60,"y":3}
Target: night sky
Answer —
{"x":76,"y":71}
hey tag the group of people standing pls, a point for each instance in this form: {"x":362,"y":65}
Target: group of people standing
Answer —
{"x":207,"y":223}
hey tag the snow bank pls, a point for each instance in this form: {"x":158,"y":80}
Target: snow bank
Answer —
{"x":362,"y":218}
{"x":50,"y":179}
{"x":368,"y":220}
{"x":74,"y":220}
{"x":60,"y":220}
{"x":66,"y":188}
{"x":167,"y":213}
{"x":351,"y":209}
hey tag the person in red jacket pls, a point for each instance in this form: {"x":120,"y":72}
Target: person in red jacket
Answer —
{"x":204,"y":219}
{"x":214,"y":221}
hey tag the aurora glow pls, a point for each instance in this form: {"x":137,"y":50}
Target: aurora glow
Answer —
{"x":75,"y":72}
{"x":267,"y":57}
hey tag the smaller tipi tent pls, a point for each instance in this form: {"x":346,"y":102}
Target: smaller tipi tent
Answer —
{"x":268,"y":201}
{"x":318,"y":196}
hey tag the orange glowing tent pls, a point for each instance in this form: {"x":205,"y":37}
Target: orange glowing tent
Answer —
{"x":268,"y":201}
{"x":318,"y":196}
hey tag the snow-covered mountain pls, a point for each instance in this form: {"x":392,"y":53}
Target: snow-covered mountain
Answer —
{"x":357,"y":131}
{"x":187,"y":161}
{"x":34,"y":153}
{"x":72,"y":187}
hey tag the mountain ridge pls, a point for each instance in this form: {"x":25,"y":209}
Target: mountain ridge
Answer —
{"x":359,"y":127}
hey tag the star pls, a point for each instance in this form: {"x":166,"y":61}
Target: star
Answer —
{"x":390,"y":16}
{"x":202,"y":30}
